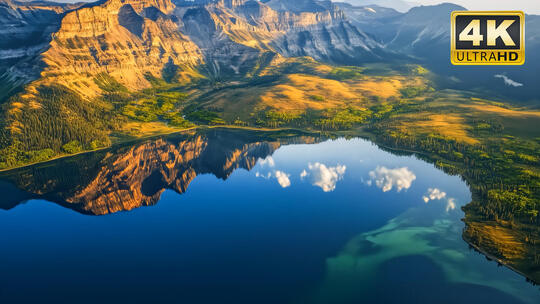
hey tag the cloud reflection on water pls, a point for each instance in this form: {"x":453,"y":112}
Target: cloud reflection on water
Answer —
{"x":282,"y":178}
{"x":437,"y":194}
{"x":433,"y":194}
{"x":388,"y":179}
{"x":323,"y":176}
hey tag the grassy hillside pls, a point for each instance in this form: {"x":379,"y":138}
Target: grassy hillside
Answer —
{"x":304,"y":93}
{"x":54,"y":121}
{"x":47,"y":121}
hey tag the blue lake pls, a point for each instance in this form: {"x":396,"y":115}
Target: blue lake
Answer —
{"x":237,"y":217}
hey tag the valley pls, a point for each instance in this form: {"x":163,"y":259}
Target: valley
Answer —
{"x":117,"y":71}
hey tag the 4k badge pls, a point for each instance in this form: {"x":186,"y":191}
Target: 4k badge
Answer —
{"x":488,"y":38}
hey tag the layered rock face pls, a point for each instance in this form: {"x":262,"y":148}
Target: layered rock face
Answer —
{"x":223,"y":53}
{"x":25,"y":29}
{"x":125,"y":39}
{"x":309,"y":28}
{"x":130,"y":39}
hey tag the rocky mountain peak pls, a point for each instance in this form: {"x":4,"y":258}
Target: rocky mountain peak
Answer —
{"x":165,"y":6}
{"x":232,"y":3}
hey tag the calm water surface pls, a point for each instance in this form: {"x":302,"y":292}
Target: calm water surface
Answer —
{"x":235,"y":217}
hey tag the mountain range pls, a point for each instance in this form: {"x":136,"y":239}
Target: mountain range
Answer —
{"x":423,"y":33}
{"x":71,"y":44}
{"x":68,"y":70}
{"x":398,"y":5}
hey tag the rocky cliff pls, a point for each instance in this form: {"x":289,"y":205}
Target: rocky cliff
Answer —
{"x":130,"y":39}
{"x":241,"y":29}
{"x":125,"y":39}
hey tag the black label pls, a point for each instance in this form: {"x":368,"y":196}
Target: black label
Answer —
{"x":514,"y":32}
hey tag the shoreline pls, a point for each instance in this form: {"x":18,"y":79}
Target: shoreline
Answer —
{"x":145,"y":137}
{"x":61,"y":156}
{"x":498,"y":260}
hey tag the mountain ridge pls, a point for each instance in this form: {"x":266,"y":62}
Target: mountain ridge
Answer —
{"x":117,"y":37}
{"x":423,"y":34}
{"x":98,"y":38}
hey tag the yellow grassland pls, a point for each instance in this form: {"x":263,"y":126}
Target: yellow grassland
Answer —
{"x":144,"y":129}
{"x":448,"y":125}
{"x":500,"y":111}
{"x":298,"y":92}
{"x":508,"y":245}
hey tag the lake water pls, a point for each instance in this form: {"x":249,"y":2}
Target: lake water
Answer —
{"x":226,"y":216}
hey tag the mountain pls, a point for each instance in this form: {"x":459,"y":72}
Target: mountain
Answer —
{"x":123,"y":39}
{"x":130,"y":39}
{"x":398,"y":5}
{"x":81,"y":72}
{"x":369,"y":17}
{"x":415,"y":33}
{"x":297,"y":6}
{"x":26,"y":30}
{"x":77,"y":78}
{"x":423,"y":34}
{"x":245,"y":29}
{"x":89,"y":74}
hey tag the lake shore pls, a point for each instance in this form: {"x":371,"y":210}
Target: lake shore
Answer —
{"x":154,"y":135}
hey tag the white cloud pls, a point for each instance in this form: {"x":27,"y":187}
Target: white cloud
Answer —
{"x":283,"y":178}
{"x":433,"y":194}
{"x":450,"y":204}
{"x":268,"y":161}
{"x":267,"y":176}
{"x":387,"y":179}
{"x":436,"y":194}
{"x":324,"y":177}
{"x":371,"y":10}
{"x":508,"y":81}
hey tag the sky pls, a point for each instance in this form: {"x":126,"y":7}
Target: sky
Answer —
{"x":528,"y":6}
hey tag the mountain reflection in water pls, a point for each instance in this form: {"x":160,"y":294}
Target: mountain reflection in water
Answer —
{"x":130,"y":177}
